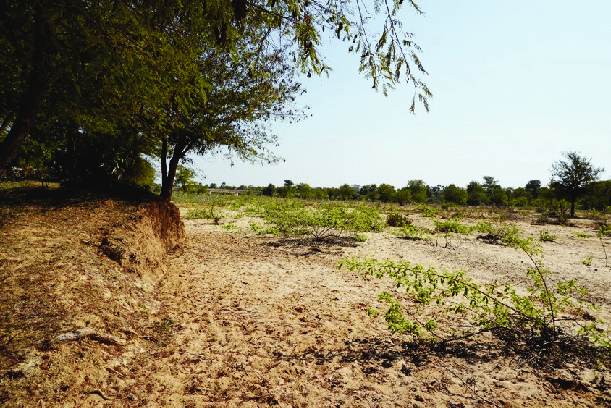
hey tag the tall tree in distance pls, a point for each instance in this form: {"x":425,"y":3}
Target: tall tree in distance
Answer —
{"x":571,"y":177}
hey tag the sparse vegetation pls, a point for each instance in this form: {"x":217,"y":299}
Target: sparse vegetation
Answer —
{"x":547,"y":237}
{"x":533,"y":317}
{"x":227,"y":297}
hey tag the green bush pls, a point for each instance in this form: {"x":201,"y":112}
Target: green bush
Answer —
{"x":427,"y":211}
{"x":530,"y":317}
{"x":452,"y":226}
{"x":396,"y":219}
{"x":414,"y":233}
{"x":502,"y":233}
{"x":292,"y":218}
{"x":547,"y":237}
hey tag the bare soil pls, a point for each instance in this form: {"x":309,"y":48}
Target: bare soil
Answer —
{"x":103,"y":302}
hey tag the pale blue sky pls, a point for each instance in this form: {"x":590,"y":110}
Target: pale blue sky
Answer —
{"x":515,"y":83}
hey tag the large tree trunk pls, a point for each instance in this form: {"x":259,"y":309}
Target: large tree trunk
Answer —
{"x":30,"y":106}
{"x":167,"y":181}
{"x":38,"y":84}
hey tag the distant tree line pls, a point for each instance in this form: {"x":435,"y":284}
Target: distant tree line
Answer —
{"x":487,"y":193}
{"x":574,"y":183}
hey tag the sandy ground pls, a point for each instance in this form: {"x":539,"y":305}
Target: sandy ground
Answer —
{"x":258,"y":322}
{"x":92,"y":316}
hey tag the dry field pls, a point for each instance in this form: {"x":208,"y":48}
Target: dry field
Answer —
{"x":103,"y":304}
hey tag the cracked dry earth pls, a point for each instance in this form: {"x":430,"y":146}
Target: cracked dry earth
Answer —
{"x":255,"y":322}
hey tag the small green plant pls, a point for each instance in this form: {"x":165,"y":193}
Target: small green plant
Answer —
{"x":547,"y":237}
{"x":580,"y":235}
{"x":371,"y":312}
{"x":203,"y":213}
{"x":264,"y":230}
{"x":504,"y":233}
{"x":414,"y":233}
{"x":453,"y":226}
{"x":587,"y":261}
{"x":360,"y":237}
{"x":230,"y":227}
{"x":427,"y":211}
{"x":396,"y":219}
{"x":164,"y":326}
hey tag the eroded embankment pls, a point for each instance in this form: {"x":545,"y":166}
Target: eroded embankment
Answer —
{"x":79,"y":281}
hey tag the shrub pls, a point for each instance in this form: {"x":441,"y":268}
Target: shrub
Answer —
{"x":505,"y":234}
{"x":547,"y":237}
{"x":427,"y":211}
{"x":203,"y":213}
{"x":414,"y":233}
{"x":532,"y":317}
{"x":396,"y":219}
{"x":360,"y":237}
{"x":452,"y":226}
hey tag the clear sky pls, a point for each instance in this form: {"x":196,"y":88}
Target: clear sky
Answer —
{"x":515,"y":84}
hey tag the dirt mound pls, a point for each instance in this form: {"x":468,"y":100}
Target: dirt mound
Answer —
{"x":79,"y":280}
{"x":140,"y":243}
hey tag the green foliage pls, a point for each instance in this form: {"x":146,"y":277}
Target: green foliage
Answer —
{"x":491,"y":306}
{"x":427,"y":211}
{"x":293,"y":218}
{"x":396,"y":219}
{"x":580,"y":235}
{"x":184,"y":177}
{"x":587,"y":261}
{"x":417,"y":190}
{"x":476,"y":194}
{"x":449,"y":226}
{"x":360,"y":237}
{"x":203,"y":213}
{"x":603,"y":229}
{"x":411,"y":232}
{"x":403,"y":196}
{"x":571,"y":177}
{"x":386,"y":193}
{"x":264,"y":230}
{"x":547,"y":237}
{"x":454,"y":194}
{"x":505,"y":233}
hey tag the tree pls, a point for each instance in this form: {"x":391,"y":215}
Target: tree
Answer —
{"x":417,"y":189}
{"x":305,"y":191}
{"x":434,"y":194}
{"x":533,"y":187}
{"x":598,"y":196}
{"x":184,"y":177}
{"x":346,"y":192}
{"x":454,"y":194}
{"x":269,"y":190}
{"x":149,"y":56}
{"x":476,"y":194}
{"x":404,"y":195}
{"x":494,"y":192}
{"x":386,"y":193}
{"x":571,"y":177}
